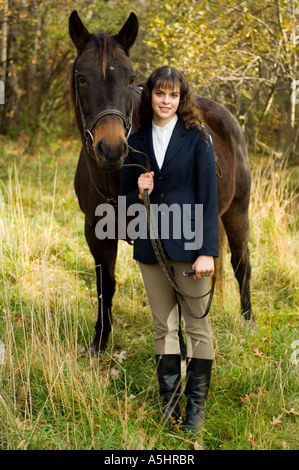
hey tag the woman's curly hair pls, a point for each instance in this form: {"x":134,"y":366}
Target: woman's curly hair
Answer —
{"x":168,"y":77}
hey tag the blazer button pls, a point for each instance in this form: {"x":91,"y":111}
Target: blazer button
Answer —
{"x":162,"y":195}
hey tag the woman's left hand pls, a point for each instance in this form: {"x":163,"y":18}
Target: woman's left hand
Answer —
{"x":203,"y":266}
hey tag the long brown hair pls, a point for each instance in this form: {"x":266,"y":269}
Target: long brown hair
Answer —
{"x":168,"y":77}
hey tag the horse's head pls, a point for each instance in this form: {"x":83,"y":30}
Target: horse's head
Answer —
{"x":102,"y":87}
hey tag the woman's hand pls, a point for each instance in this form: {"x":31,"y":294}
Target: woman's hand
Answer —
{"x":145,"y":181}
{"x":204,"y":266}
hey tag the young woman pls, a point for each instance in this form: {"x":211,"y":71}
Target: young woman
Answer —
{"x":182,"y":176}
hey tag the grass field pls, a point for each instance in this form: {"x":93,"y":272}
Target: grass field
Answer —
{"x":53,"y":396}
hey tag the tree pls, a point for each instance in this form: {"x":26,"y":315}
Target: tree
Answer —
{"x":243,"y":54}
{"x":4,"y":35}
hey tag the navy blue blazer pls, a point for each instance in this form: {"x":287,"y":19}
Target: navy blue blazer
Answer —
{"x":187,"y":178}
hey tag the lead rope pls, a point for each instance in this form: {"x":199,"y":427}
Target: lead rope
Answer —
{"x":159,"y":252}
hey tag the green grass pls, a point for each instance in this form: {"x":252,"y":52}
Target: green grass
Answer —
{"x":53,"y":396}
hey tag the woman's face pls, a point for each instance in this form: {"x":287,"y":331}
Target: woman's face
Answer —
{"x":165,"y":102}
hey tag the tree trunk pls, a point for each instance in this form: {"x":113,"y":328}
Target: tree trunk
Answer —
{"x":4,"y":57}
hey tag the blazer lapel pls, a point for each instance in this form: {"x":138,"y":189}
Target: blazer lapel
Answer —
{"x":148,"y":145}
{"x":176,"y":142}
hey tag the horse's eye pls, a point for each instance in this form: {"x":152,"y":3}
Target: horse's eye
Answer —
{"x":82,"y":80}
{"x":131,"y":80}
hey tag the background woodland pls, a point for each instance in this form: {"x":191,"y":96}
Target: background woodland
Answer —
{"x":243,"y":54}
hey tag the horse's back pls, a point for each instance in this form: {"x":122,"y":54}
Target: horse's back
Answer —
{"x":225,"y":125}
{"x":233,"y":170}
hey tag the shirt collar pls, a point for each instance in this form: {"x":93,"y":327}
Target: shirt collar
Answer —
{"x":168,"y":127}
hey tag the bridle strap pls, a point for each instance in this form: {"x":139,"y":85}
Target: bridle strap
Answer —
{"x":108,"y":112}
{"x":87,"y":130}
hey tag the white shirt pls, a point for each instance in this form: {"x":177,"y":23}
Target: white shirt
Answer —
{"x":161,"y":138}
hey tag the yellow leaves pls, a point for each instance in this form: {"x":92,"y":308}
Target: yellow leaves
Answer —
{"x":80,"y":351}
{"x":110,"y":371}
{"x":23,"y":396}
{"x":254,"y":399}
{"x":252,"y":441}
{"x":120,"y":357}
{"x":287,"y":26}
{"x":246,"y":399}
{"x":250,"y":397}
{"x":94,"y":361}
{"x":23,"y":425}
{"x":114,"y":374}
{"x":276,"y":421}
{"x":258,"y":353}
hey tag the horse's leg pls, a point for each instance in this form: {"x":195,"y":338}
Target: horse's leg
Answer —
{"x":236,"y":223}
{"x":104,"y":253}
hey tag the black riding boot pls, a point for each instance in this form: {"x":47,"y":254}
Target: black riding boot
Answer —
{"x":197,"y":387}
{"x":169,"y":377}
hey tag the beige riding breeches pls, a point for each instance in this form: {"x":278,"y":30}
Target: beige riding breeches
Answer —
{"x":164,"y":306}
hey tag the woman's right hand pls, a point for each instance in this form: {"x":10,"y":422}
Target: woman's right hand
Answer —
{"x":145,"y":181}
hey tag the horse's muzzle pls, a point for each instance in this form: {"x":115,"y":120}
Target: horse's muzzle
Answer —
{"x":110,"y":157}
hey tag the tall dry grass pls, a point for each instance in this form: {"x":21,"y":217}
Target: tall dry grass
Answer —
{"x":53,"y":396}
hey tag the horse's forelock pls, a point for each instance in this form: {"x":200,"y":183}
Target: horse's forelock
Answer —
{"x":106,"y":48}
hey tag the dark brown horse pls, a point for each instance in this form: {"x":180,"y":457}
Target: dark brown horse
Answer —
{"x":105,"y":104}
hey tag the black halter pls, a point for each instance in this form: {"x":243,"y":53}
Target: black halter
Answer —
{"x":87,"y":129}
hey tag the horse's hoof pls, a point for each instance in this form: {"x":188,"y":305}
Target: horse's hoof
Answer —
{"x":94,"y":349}
{"x":248,"y":317}
{"x":97,"y":347}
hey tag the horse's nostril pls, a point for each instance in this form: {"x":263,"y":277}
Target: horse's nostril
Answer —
{"x":107,"y":151}
{"x":100,"y":148}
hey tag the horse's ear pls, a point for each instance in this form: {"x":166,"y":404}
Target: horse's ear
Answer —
{"x":128,"y":33}
{"x":78,"y":33}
